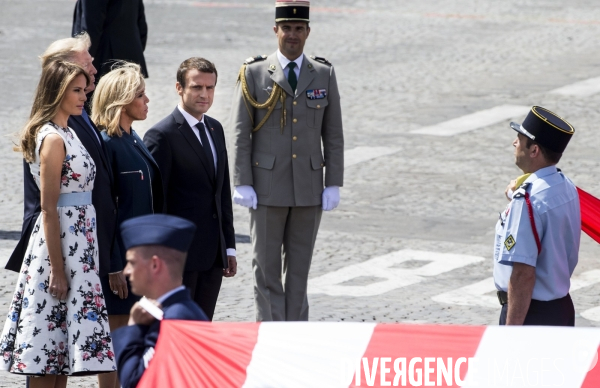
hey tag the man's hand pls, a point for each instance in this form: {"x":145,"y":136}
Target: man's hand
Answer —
{"x":231,"y":269}
{"x":331,"y":198}
{"x":512,"y":186}
{"x":520,"y":289}
{"x":118,"y":283}
{"x":245,"y":196}
{"x":139,"y":316}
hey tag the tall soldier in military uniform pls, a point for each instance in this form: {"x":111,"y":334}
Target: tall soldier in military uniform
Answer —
{"x":285,"y":105}
{"x":537,"y":235}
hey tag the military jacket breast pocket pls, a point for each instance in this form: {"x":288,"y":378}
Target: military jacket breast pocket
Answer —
{"x":262,"y":172}
{"x":315,"y":111}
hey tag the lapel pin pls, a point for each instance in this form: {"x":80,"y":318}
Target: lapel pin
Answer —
{"x":309,"y":66}
{"x":272,"y":67}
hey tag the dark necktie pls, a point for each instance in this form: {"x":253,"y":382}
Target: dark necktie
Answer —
{"x":206,"y":148}
{"x":292,"y":76}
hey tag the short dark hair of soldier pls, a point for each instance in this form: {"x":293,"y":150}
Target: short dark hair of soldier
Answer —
{"x":551,"y":156}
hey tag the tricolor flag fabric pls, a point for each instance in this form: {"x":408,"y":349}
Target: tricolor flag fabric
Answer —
{"x":590,"y":214}
{"x":339,"y":354}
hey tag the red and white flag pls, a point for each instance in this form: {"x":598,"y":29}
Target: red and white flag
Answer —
{"x":338,"y":354}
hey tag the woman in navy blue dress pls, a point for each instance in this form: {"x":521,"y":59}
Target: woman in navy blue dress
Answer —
{"x":119,"y":100}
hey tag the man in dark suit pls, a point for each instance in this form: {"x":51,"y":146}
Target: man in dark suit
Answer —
{"x":156,"y":249}
{"x":75,"y":50}
{"x":189,"y":148}
{"x":117,"y":28}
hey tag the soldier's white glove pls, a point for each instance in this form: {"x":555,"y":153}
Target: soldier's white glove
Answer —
{"x":331,"y":198}
{"x":245,"y":196}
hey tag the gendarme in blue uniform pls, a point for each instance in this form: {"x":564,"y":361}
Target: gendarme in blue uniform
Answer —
{"x":555,"y":205}
{"x":540,"y":228}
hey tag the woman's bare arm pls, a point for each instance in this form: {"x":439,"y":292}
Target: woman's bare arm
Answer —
{"x":52,"y":156}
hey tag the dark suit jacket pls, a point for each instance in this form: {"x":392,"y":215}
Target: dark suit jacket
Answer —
{"x":137,"y":192}
{"x":117,"y":28}
{"x":190,"y":192}
{"x":102,"y":199}
{"x":131,"y":342}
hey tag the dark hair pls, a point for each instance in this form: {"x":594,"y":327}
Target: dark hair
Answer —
{"x":55,"y":79}
{"x":200,"y":64}
{"x":551,"y":156}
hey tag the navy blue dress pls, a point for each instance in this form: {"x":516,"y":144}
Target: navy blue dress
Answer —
{"x":139,"y":191}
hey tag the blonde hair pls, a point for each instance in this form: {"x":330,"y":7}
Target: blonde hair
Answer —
{"x":116,"y":89}
{"x":65,"y":49}
{"x":55,"y":79}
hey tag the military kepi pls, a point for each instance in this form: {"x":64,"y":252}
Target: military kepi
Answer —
{"x":291,"y":11}
{"x":158,"y":229}
{"x":546,"y":128}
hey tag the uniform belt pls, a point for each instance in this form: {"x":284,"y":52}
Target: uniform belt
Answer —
{"x":502,"y":297}
{"x":75,"y":199}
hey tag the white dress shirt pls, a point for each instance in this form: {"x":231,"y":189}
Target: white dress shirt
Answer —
{"x":284,"y":62}
{"x":192,"y":121}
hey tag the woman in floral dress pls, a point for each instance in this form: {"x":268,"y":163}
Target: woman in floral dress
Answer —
{"x":57,"y":321}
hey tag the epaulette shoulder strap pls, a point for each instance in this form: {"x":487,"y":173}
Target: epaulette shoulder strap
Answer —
{"x":322,"y":60}
{"x":258,"y":58}
{"x":522,"y":193}
{"x":522,"y":190}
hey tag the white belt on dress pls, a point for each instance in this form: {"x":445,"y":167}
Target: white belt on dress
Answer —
{"x":75,"y":199}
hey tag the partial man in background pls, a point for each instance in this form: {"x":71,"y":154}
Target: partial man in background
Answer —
{"x":189,"y":147}
{"x":538,"y":234}
{"x":285,"y":106}
{"x":118,"y":31}
{"x":157,"y":246}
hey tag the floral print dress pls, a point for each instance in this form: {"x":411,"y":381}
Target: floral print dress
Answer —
{"x":44,"y":335}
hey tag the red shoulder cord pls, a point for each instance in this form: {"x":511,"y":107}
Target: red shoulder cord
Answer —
{"x":535,"y":233}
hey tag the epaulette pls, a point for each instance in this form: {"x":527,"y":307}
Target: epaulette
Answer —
{"x":257,"y":58}
{"x":322,"y":60}
{"x":520,"y":192}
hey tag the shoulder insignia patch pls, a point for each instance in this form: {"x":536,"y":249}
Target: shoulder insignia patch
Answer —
{"x":510,"y":242}
{"x":257,"y":58}
{"x":519,"y":193}
{"x":322,"y":60}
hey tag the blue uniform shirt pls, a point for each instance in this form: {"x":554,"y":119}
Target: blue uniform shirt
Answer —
{"x":557,"y":218}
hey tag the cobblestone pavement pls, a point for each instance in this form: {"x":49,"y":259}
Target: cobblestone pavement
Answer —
{"x":401,"y":66}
